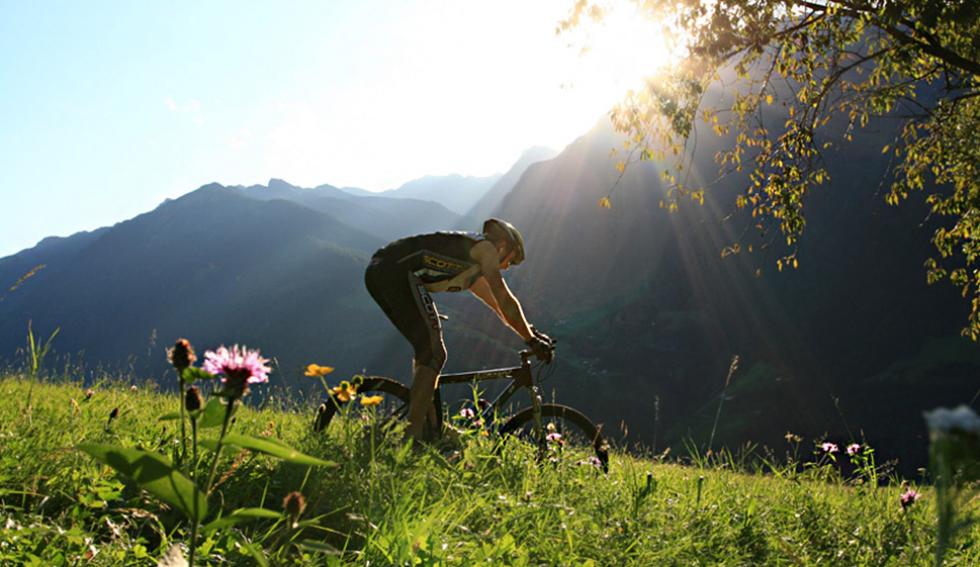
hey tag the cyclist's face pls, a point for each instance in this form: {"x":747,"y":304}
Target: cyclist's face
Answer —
{"x":506,"y":259}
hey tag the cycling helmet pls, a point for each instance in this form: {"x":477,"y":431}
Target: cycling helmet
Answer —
{"x":497,"y":228}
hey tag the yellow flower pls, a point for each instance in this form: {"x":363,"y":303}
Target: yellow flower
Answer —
{"x":345,"y":392}
{"x":314,"y":370}
{"x":368,"y":401}
{"x":605,"y":203}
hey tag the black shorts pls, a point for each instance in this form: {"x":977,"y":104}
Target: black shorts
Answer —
{"x":404,"y":299}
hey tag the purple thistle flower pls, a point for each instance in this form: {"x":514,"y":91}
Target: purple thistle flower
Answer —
{"x":238,"y":368}
{"x":237,"y":363}
{"x":829,"y":447}
{"x":909,"y":497}
{"x":853,"y":449}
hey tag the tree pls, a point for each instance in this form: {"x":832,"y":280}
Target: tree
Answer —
{"x":828,"y":68}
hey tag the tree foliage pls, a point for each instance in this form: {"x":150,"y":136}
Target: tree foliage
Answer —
{"x":827,"y":68}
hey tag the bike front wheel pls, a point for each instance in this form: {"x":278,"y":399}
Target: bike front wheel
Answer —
{"x":394,"y":400}
{"x":561,"y":427}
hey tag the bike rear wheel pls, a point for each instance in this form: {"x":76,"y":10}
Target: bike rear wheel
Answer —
{"x":574,"y":429}
{"x":394,"y":402}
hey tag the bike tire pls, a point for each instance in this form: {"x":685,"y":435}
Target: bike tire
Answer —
{"x":582,"y":426}
{"x":372,"y":385}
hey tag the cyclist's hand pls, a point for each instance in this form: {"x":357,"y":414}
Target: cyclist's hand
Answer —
{"x":540,"y":335}
{"x":541,"y":349}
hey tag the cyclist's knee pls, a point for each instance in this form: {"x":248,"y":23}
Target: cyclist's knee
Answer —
{"x":434,"y":358}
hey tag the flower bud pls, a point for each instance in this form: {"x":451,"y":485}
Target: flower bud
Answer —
{"x":182,"y":355}
{"x":294,"y":503}
{"x":193,"y":400}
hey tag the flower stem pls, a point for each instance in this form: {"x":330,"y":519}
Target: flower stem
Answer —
{"x":217,"y":450}
{"x":183,"y":428}
{"x":192,"y":469}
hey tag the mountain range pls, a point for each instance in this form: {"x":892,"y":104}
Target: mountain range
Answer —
{"x":648,"y":311}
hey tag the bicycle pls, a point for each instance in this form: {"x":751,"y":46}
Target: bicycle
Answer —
{"x":571,"y":426}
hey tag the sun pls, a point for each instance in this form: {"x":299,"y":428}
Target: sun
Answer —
{"x":616,"y":54}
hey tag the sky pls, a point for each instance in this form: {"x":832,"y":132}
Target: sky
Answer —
{"x":108,"y":108}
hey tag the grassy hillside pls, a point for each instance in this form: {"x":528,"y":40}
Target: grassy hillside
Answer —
{"x":485,"y":501}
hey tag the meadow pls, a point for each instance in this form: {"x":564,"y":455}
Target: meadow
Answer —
{"x":481,"y":500}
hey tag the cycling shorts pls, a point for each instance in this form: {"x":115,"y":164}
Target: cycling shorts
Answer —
{"x":403,"y":298}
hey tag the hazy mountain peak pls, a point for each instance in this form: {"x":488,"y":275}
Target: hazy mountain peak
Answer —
{"x":211,"y":186}
{"x":279,"y":184}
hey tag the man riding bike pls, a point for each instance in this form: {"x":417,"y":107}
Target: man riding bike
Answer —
{"x":402,"y":274}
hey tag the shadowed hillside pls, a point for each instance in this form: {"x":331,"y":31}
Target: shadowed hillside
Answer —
{"x":648,"y":308}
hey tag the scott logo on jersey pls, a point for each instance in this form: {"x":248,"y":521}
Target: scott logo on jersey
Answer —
{"x":442,"y":264}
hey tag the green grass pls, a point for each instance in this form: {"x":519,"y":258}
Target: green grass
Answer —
{"x":387,"y":503}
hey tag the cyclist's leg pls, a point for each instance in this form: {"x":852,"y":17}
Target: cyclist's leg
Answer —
{"x":408,"y":305}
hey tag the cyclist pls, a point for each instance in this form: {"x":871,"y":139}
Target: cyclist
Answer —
{"x":401,"y":275}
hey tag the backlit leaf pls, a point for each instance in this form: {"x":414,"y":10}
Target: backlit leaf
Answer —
{"x":154,"y":473}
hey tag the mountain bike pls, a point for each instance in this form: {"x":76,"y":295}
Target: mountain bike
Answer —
{"x":543,"y":424}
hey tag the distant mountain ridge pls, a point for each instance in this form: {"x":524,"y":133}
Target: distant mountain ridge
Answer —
{"x":457,"y":193}
{"x":274,"y":265}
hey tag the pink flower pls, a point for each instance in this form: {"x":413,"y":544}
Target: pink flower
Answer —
{"x":553,"y":437}
{"x":853,"y":449}
{"x":237,"y":367}
{"x":829,"y":447}
{"x":909,"y":497}
{"x":467,"y":413}
{"x":593,"y":461}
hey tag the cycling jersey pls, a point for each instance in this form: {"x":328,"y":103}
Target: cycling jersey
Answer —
{"x":397,"y":277}
{"x":434,"y":258}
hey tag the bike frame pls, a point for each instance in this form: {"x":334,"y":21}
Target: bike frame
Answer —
{"x":521,"y":377}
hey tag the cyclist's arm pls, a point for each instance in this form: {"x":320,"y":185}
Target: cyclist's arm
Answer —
{"x":481,"y":289}
{"x":486,"y":253}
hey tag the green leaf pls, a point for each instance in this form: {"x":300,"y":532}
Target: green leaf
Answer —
{"x":169,"y":416}
{"x":255,"y":550}
{"x":192,"y":374}
{"x":274,"y":449}
{"x":213,"y":414}
{"x":241,"y":515}
{"x":154,"y":473}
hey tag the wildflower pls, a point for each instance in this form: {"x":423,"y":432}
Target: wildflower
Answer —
{"x":551,"y":427}
{"x":294,"y":504}
{"x":74,"y":407}
{"x":909,"y":497}
{"x":593,"y":461}
{"x":605,"y":203}
{"x":315,"y":370}
{"x":238,"y":368}
{"x":467,"y":413}
{"x":553,"y":437}
{"x":829,"y":447}
{"x":182,"y":356}
{"x":133,"y":388}
{"x":193,"y":400}
{"x":345,"y":392}
{"x":89,"y":393}
{"x":853,"y":449}
{"x":369,"y":401}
